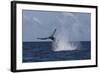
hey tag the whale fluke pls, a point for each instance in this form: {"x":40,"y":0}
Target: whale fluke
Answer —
{"x":50,"y":37}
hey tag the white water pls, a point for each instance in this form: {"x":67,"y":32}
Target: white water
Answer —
{"x":63,"y":37}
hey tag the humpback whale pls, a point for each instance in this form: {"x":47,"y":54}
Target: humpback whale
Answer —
{"x":49,"y":37}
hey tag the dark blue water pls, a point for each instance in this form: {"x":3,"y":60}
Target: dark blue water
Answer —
{"x":42,"y":51}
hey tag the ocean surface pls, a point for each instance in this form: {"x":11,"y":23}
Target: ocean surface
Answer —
{"x":42,"y":51}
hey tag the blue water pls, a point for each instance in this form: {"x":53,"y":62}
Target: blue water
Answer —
{"x":42,"y":51}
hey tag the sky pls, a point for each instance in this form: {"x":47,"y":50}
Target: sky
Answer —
{"x":72,"y":26}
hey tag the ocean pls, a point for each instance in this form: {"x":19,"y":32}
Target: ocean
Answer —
{"x":42,"y":52}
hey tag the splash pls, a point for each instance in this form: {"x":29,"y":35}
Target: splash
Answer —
{"x":62,"y":45}
{"x":63,"y":37}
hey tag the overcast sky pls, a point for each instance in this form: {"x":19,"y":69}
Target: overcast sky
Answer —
{"x":72,"y":26}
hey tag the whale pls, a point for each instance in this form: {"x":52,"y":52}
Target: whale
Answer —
{"x":51,"y":37}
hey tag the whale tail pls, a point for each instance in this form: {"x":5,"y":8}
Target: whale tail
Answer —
{"x":50,"y":37}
